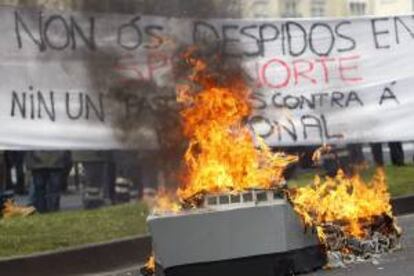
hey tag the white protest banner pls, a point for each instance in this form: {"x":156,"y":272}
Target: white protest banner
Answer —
{"x":314,"y":81}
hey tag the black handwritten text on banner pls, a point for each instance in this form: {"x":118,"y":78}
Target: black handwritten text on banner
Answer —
{"x":314,"y":81}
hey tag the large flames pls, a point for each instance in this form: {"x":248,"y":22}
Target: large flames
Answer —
{"x":222,"y":155}
{"x":349,"y":201}
{"x":353,"y":218}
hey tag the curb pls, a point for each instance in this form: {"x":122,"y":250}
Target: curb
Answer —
{"x":112,"y":255}
{"x":403,"y":205}
{"x":80,"y":260}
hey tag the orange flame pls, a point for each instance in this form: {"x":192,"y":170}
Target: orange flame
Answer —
{"x":348,"y":201}
{"x":11,"y":210}
{"x":150,"y":265}
{"x":317,"y":155}
{"x":166,"y":201}
{"x":222,"y":155}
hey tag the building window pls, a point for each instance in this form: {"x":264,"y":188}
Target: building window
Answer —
{"x":358,"y":8}
{"x":233,"y":8}
{"x":291,"y":8}
{"x":318,"y":8}
{"x":260,"y":9}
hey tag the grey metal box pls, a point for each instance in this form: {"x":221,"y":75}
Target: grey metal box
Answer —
{"x":234,"y":232}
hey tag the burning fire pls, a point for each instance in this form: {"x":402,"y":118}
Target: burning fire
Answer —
{"x":149,"y":268}
{"x":348,"y":206}
{"x":223,"y":155}
{"x":166,"y":201}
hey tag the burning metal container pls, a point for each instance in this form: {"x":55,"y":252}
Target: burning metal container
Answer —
{"x":211,"y":230}
{"x":251,"y":233}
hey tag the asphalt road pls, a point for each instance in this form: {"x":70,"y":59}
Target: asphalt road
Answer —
{"x":399,"y":263}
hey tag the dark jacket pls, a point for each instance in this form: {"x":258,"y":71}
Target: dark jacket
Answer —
{"x":36,"y":160}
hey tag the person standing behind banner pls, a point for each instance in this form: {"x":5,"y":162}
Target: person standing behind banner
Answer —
{"x":3,"y":181}
{"x":396,"y":154}
{"x":48,"y":171}
{"x":378,"y":157}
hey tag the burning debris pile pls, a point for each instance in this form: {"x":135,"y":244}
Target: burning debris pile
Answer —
{"x":353,"y":219}
{"x":223,"y":155}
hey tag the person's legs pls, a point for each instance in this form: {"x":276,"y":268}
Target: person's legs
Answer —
{"x":8,"y":170}
{"x":2,"y":173}
{"x":397,"y":153}
{"x":356,"y":158}
{"x":305,"y":155}
{"x":356,"y":154}
{"x":109,"y":181}
{"x":20,"y":189}
{"x":54,"y":186}
{"x":31,"y":194}
{"x":39,"y":190}
{"x":376,"y":149}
